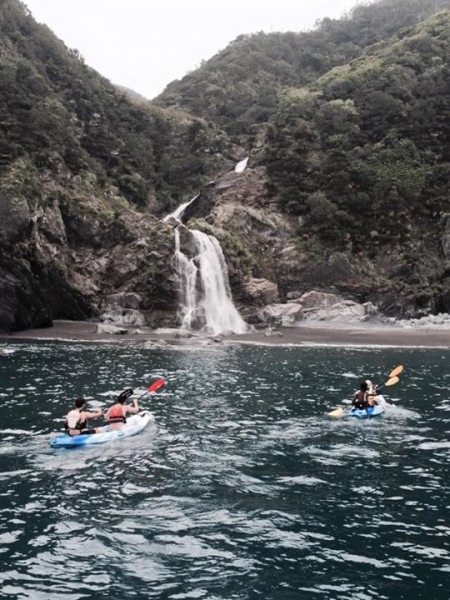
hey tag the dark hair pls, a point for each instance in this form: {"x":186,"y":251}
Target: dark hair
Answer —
{"x":124,"y":395}
{"x":363,"y":386}
{"x":79,"y":402}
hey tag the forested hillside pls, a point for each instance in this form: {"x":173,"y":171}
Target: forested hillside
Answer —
{"x":363,"y":157}
{"x":347,"y":129}
{"x":239,"y":87}
{"x":351,"y":122}
{"x":58,"y":113}
{"x":365,"y":153}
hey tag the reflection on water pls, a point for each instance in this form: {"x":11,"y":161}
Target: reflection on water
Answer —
{"x":243,"y":489}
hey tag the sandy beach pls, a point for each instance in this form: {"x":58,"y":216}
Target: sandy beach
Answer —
{"x":308,"y":333}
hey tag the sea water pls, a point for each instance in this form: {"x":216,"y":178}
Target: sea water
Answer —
{"x":243,"y":489}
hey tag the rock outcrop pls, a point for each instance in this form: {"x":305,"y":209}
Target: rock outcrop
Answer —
{"x":73,"y":260}
{"x":70,"y":260}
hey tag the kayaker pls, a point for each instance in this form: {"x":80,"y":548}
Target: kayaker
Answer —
{"x":116,"y":416}
{"x":365,"y":396}
{"x":77,"y":418}
{"x":371,"y":393}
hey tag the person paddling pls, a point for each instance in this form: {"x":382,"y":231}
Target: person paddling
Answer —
{"x":77,"y":418}
{"x":365,"y":396}
{"x":116,"y":416}
{"x":372,"y":393}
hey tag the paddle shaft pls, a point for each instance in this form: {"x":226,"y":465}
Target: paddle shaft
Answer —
{"x":156,"y":385}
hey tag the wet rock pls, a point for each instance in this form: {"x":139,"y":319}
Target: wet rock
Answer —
{"x":15,"y":218}
{"x":183,"y":334}
{"x":124,"y":300}
{"x":319,"y":300}
{"x":445,"y":301}
{"x":124,"y":316}
{"x":51,"y":223}
{"x":271,"y":333}
{"x":111,"y":329}
{"x":260,"y":291}
{"x":445,"y":243}
{"x":282,"y":315}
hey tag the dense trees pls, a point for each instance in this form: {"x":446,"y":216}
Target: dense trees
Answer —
{"x":361,"y":156}
{"x":353,"y":119}
{"x":62,"y":114}
{"x":239,"y":87}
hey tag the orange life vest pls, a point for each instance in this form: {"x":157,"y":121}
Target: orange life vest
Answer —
{"x":115,"y":414}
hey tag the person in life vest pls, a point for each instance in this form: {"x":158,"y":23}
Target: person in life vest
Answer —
{"x":371,"y":393}
{"x":116,"y":416}
{"x":76,"y":420}
{"x":365,"y":396}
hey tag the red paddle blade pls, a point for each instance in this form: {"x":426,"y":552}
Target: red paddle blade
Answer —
{"x":156,"y":385}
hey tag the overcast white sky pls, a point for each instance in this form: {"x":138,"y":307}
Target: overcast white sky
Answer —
{"x":146,"y":44}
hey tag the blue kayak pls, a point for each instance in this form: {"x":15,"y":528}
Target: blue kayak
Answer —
{"x":134,"y":425}
{"x":371,"y":411}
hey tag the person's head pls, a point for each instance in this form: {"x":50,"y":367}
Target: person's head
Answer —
{"x":124,"y":395}
{"x":369,"y":383}
{"x":80,"y":402}
{"x":363,"y":386}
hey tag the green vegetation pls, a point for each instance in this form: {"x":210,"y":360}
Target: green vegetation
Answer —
{"x":239,"y":87}
{"x":66,"y":117}
{"x":351,"y":122}
{"x":364,"y":155}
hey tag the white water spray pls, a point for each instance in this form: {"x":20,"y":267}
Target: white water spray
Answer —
{"x":241,"y":166}
{"x":204,"y":289}
{"x":205,"y":295}
{"x":178,"y":213}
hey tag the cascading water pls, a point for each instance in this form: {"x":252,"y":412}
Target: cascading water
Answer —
{"x":205,"y":296}
{"x":187,"y":276}
{"x":241,"y":166}
{"x":177,"y":214}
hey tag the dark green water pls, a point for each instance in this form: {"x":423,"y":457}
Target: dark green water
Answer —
{"x":243,"y":490}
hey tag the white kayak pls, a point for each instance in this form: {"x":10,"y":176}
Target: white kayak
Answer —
{"x":134,"y":425}
{"x":371,"y":411}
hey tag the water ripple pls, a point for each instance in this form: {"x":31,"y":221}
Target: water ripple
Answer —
{"x":243,"y":489}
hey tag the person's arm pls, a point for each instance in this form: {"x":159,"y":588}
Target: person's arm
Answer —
{"x":93,"y":415}
{"x":135,"y":408}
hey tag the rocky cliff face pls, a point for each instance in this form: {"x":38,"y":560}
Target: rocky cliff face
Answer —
{"x":272,"y":259}
{"x":63,"y":254}
{"x":77,"y":255}
{"x":346,"y":193}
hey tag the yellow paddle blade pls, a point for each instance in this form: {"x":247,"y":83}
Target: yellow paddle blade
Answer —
{"x":396,"y":371}
{"x":336,"y":413}
{"x":392,"y":381}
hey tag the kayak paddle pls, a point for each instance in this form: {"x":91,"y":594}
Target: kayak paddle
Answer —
{"x":391,"y":380}
{"x":392,"y":374}
{"x":154,"y":387}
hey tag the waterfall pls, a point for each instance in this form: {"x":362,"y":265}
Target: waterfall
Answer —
{"x":187,"y":276}
{"x":241,"y":166}
{"x":205,"y":295}
{"x":204,"y":289}
{"x":178,"y":213}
